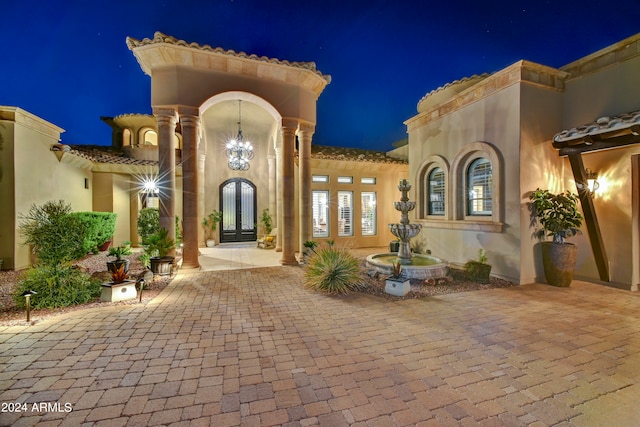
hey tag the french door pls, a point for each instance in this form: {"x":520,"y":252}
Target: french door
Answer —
{"x":238,"y":202}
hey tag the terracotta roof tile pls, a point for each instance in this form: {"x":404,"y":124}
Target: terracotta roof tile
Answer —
{"x":601,"y":125}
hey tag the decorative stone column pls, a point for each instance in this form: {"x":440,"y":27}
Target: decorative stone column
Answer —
{"x":279,"y":195}
{"x":305,"y":215}
{"x":190,"y":123}
{"x":289,"y":127}
{"x":167,"y":119}
{"x":273,"y":210}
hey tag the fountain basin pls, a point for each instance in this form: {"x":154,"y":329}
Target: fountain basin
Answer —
{"x":421,"y":266}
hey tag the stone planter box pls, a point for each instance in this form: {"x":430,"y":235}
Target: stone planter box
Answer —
{"x":118,"y":292}
{"x":397,"y":287}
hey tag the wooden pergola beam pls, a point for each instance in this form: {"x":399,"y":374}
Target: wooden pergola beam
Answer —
{"x":590,"y":217}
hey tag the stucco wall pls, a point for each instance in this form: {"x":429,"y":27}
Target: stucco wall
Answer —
{"x":493,"y":120}
{"x":609,"y":91}
{"x":52,"y":180}
{"x":7,"y":195}
{"x":540,"y":166}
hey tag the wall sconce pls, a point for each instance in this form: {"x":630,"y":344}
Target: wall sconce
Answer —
{"x":592,"y":181}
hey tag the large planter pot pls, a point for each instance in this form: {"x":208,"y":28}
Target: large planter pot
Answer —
{"x":559,"y":261}
{"x":161,"y":266}
{"x":105,"y":246}
{"x":124,"y":291}
{"x":211,"y":243}
{"x":113,"y":266}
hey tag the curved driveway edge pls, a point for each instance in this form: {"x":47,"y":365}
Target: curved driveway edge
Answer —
{"x":252,"y":347}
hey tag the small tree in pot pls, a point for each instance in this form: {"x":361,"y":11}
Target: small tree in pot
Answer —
{"x":158,"y":245}
{"x":210,"y":224}
{"x":557,"y":216}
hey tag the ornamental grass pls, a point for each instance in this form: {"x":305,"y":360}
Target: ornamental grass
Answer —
{"x":334,"y":271}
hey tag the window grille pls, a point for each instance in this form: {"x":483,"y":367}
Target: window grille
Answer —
{"x":320,"y":212}
{"x":436,"y":195}
{"x":345,"y":213}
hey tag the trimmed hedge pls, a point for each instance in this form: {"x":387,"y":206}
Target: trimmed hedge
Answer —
{"x":100,"y":228}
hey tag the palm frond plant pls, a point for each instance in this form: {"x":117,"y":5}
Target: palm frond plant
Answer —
{"x":334,"y":271}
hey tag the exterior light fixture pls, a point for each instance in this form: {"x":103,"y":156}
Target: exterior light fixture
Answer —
{"x":592,"y":181}
{"x":239,"y":152}
{"x":149,"y":186}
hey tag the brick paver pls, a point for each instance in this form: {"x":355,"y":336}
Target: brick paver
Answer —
{"x":253,"y":347}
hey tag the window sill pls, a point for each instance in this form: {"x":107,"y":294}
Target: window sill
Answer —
{"x":488,"y":226}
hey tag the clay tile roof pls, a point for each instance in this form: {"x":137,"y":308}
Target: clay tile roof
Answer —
{"x":454,"y":83}
{"x":159,"y":37}
{"x":107,"y":154}
{"x":601,"y":125}
{"x":352,"y":154}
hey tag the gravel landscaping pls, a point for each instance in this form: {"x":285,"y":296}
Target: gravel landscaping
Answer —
{"x":96,"y":265}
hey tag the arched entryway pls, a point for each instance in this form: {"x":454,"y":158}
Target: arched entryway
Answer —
{"x":239,"y":211}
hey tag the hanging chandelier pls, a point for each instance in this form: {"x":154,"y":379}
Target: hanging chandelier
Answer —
{"x":239,"y":152}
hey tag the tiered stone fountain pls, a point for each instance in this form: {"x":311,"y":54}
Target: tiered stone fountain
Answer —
{"x":404,"y":230}
{"x":415,"y":266}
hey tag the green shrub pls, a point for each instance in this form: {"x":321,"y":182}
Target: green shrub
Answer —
{"x":100,"y":228}
{"x":333,"y":271}
{"x":56,"y":286}
{"x":148,"y":223}
{"x":159,"y":244}
{"x":56,"y":236}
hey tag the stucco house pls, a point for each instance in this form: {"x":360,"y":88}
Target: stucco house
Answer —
{"x":478,"y":147}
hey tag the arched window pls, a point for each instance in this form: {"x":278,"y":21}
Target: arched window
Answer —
{"x":126,"y":137}
{"x":149,"y":137}
{"x":433,"y":189}
{"x":436,"y":196}
{"x":479,"y":188}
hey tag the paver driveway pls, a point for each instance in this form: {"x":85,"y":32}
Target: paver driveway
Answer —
{"x":252,"y":347}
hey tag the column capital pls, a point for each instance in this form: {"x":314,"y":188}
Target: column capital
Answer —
{"x":189,"y":120}
{"x":165,"y":112}
{"x":185,"y":110}
{"x":289,"y":125}
{"x":306,"y":129}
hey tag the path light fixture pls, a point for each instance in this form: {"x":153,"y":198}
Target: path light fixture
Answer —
{"x":239,"y":152}
{"x":140,"y":286}
{"x":27,"y":294}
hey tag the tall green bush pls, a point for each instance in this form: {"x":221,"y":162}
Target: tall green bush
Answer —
{"x":56,"y":236}
{"x":333,"y":270}
{"x":100,"y":228}
{"x":58,"y":285}
{"x":148,"y":223}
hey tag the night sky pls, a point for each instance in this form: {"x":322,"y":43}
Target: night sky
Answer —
{"x":67,"y":61}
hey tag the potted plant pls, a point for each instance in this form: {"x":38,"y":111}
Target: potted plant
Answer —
{"x":478,"y":270}
{"x":210,"y":223}
{"x":266,"y":221}
{"x":120,"y":288}
{"x":397,"y":283}
{"x":118,"y":252}
{"x":557,"y":216}
{"x":158,"y":246}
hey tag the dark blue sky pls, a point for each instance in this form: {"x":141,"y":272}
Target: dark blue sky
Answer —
{"x":67,"y":61}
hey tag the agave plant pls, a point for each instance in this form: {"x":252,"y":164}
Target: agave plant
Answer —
{"x":333,"y":271}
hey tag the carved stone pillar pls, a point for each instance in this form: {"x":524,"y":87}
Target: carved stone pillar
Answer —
{"x":304,"y":185}
{"x":190,"y":123}
{"x":167,"y":120}
{"x":289,"y":127}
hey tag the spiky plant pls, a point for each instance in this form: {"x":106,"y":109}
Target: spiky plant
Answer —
{"x":119,"y":275}
{"x":333,"y":271}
